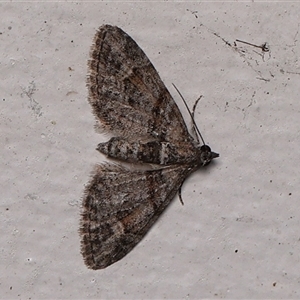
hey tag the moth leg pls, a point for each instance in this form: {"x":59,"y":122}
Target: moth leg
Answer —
{"x":193,"y":130}
{"x":179,"y":194}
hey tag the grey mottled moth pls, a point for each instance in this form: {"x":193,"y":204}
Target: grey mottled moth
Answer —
{"x":132,"y":104}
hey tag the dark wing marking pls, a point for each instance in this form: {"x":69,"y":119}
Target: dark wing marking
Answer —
{"x":120,"y":206}
{"x":126,"y":92}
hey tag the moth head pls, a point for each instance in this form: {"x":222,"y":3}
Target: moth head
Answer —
{"x":206,"y":155}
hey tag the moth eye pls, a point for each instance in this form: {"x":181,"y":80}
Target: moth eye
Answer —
{"x":205,"y":148}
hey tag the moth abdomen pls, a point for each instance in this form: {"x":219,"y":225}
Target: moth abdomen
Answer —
{"x":153,"y":152}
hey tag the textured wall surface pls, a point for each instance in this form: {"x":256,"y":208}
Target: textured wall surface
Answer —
{"x":237,"y":235}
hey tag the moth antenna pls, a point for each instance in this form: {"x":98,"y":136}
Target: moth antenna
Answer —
{"x":193,"y":114}
{"x":193,"y":120}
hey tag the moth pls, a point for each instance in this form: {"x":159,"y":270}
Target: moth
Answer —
{"x":132,"y":104}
